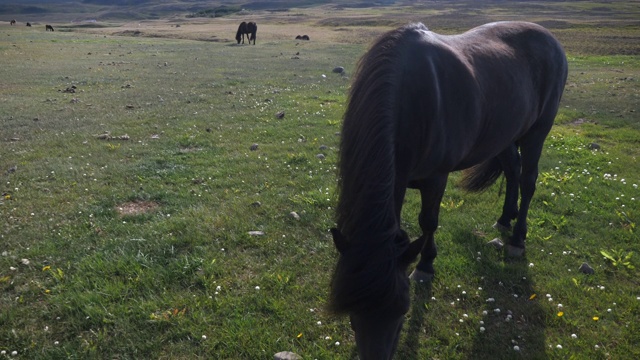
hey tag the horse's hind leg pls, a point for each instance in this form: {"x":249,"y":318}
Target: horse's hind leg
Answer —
{"x":510,"y":162}
{"x":431,"y":192}
{"x":530,"y":149}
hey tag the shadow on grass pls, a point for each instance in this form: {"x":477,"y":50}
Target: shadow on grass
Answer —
{"x":520,"y":321}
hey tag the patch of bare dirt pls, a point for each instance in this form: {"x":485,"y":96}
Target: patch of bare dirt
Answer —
{"x":136,"y":207}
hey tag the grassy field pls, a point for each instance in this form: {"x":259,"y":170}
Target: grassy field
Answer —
{"x":148,"y":180}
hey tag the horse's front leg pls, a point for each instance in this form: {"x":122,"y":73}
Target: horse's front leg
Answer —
{"x":431,"y":192}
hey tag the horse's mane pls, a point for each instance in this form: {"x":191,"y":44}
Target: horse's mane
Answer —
{"x":366,"y":213}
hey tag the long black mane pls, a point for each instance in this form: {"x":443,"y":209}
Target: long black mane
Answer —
{"x":366,"y":206}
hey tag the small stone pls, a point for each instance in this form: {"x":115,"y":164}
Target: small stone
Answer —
{"x":294,"y":215}
{"x":256,"y":204}
{"x":286,"y":355}
{"x":338,"y":69}
{"x":280,"y":114}
{"x":586,"y":269}
{"x":594,"y":146}
{"x":253,"y":147}
{"x":320,"y":156}
{"x":496,"y":243}
{"x":323,"y":147}
{"x":256,"y":233}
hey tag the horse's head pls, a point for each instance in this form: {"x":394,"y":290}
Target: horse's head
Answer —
{"x":373,"y":288}
{"x":239,"y":37}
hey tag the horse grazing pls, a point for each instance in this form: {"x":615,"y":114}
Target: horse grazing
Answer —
{"x":423,"y":105}
{"x":12,"y":22}
{"x":48,"y":27}
{"x":28,"y":24}
{"x":302,"y":37}
{"x":249,"y":28}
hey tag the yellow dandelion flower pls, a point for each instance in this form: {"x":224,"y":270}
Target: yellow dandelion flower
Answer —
{"x":47,"y":291}
{"x":596,"y":318}
{"x":48,"y":267}
{"x":299,"y":336}
{"x":533,"y":296}
{"x":560,"y":313}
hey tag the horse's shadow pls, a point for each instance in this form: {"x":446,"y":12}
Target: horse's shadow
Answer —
{"x":501,"y":281}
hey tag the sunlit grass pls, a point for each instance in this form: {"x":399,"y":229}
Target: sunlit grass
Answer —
{"x":188,"y":276}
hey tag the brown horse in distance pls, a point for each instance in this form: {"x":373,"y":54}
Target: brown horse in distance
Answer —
{"x":248,"y":28}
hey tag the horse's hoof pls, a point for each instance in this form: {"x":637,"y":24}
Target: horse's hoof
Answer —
{"x":501,"y":228}
{"x":420,"y":276}
{"x":514,"y":251}
{"x":496,"y":243}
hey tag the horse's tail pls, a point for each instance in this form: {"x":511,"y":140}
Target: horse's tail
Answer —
{"x":478,"y":178}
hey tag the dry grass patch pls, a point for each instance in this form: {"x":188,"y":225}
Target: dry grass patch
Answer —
{"x":136,"y":207}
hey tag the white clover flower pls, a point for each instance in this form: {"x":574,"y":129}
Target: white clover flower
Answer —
{"x":337,"y":343}
{"x":559,"y":346}
{"x":257,"y":287}
{"x":482,"y":329}
{"x":574,"y":336}
{"x":204,"y":337}
{"x":516,"y":348}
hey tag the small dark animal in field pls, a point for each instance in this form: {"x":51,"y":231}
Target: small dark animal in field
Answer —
{"x":48,"y":28}
{"x":302,"y":37}
{"x":423,"y":105}
{"x":12,"y":22}
{"x":248,"y":28}
{"x":29,"y":24}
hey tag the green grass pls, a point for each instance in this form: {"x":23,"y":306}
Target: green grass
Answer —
{"x":184,"y":279}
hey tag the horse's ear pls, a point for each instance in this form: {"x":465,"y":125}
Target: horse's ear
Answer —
{"x":339,"y":240}
{"x":412,"y":252}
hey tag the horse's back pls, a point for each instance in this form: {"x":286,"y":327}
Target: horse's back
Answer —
{"x":466,"y":97}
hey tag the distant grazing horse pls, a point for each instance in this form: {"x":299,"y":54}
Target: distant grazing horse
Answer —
{"x":302,"y":37}
{"x":423,"y":105}
{"x":12,"y":22}
{"x":249,"y":28}
{"x":48,"y":27}
{"x":29,"y":24}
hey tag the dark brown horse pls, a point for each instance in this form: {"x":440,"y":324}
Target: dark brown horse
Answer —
{"x":423,"y":105}
{"x":48,"y":28}
{"x":249,"y":28}
{"x":12,"y":22}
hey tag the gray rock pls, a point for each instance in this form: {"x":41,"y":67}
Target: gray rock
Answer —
{"x":286,"y":355}
{"x":294,"y":215}
{"x":253,"y":147}
{"x":496,"y":243}
{"x":320,"y":156}
{"x":256,"y":233}
{"x":586,"y":269}
{"x":338,"y":69}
